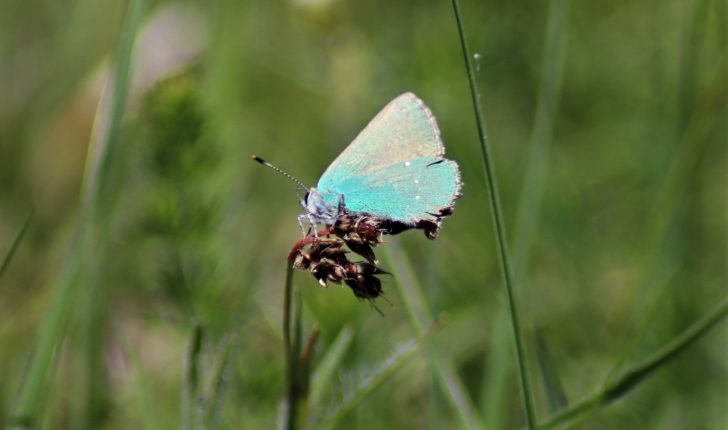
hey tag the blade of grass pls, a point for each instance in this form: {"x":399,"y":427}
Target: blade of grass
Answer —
{"x":192,"y":400}
{"x":142,"y":399}
{"x":555,"y":394}
{"x":290,"y":369}
{"x":690,"y":64}
{"x":529,"y":206}
{"x":459,"y":397}
{"x":293,"y":415}
{"x":329,"y":364}
{"x":498,"y":367}
{"x":587,"y":414}
{"x":490,"y":179}
{"x":432,"y":292}
{"x":394,"y":364}
{"x":103,"y":140}
{"x":666,"y":206}
{"x":412,"y":293}
{"x":651,"y":315}
{"x":684,"y":163}
{"x":419,"y":311}
{"x":14,"y":246}
{"x":287,"y":301}
{"x":639,"y":372}
{"x":219,"y":384}
{"x":304,"y":376}
{"x":673,"y":189}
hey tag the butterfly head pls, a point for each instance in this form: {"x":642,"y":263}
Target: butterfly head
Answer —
{"x":323,"y":206}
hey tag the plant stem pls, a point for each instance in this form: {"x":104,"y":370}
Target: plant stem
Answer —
{"x":636,"y":374}
{"x":287,"y":347}
{"x":500,"y":229}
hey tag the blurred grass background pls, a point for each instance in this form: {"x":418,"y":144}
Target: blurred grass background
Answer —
{"x":630,"y":240}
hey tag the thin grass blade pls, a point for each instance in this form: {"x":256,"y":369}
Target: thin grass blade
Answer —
{"x":555,"y":393}
{"x":192,"y":398}
{"x":220,"y":383}
{"x":498,"y":368}
{"x":293,"y":413}
{"x":304,"y":377}
{"x":144,"y":403}
{"x":500,"y":229}
{"x":457,"y":392}
{"x":638,"y":373}
{"x":394,"y":364}
{"x":685,"y":163}
{"x":14,"y":246}
{"x":419,"y":311}
{"x":330,"y":364}
{"x":103,"y":140}
{"x":529,"y":206}
{"x":413,"y":295}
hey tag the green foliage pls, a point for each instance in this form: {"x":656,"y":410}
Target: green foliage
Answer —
{"x":607,"y":129}
{"x":178,"y":154}
{"x":180,"y":209}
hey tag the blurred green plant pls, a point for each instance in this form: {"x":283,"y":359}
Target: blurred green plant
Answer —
{"x":103,"y":146}
{"x":617,"y":210}
{"x":179,"y":209}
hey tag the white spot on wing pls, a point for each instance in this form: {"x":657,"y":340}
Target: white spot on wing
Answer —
{"x":407,"y":164}
{"x":417,"y":197}
{"x":417,"y":181}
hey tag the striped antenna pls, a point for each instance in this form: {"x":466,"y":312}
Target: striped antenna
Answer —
{"x":267,"y":164}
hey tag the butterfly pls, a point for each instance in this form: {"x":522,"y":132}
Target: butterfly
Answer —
{"x":394,"y":171}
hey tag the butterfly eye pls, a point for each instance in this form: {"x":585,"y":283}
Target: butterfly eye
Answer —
{"x":305,"y":198}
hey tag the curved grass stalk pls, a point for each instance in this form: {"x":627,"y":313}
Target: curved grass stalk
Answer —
{"x":500,"y":229}
{"x":638,"y":373}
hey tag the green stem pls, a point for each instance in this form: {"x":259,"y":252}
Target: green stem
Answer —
{"x":303,"y":383}
{"x":220,"y":383}
{"x":633,"y":376}
{"x":287,"y":300}
{"x":103,"y":139}
{"x":500,"y":229}
{"x":291,"y":362}
{"x":191,"y":417}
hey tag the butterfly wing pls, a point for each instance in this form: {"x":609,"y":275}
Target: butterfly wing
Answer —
{"x":394,"y":169}
{"x":404,"y":130}
{"x":408,"y":192}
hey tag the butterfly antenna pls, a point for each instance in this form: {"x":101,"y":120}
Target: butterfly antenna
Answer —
{"x":267,"y":164}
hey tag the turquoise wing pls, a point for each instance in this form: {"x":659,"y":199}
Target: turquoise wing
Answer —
{"x":404,"y":130}
{"x":408,"y":192}
{"x":394,"y":169}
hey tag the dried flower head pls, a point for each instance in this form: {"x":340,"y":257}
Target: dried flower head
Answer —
{"x":327,"y":260}
{"x":363,"y":282}
{"x":360,"y":233}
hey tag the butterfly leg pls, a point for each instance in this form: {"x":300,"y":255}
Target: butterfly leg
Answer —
{"x":311,"y":225}
{"x":300,"y":224}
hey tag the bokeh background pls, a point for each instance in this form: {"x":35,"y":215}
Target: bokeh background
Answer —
{"x":628,"y":249}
